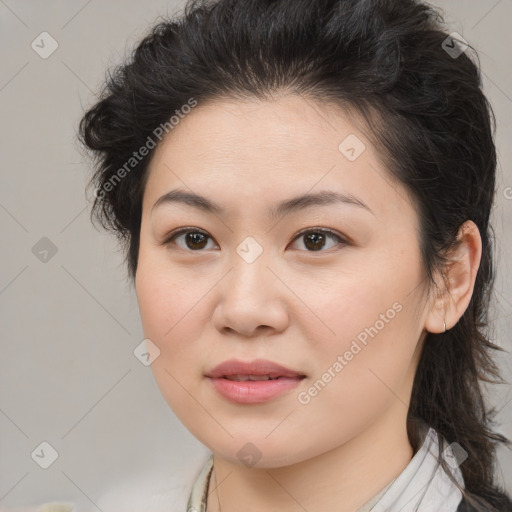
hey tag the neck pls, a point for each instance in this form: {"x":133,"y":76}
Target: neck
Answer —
{"x":341,"y":479}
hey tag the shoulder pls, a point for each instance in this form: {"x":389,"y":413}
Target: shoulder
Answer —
{"x":498,"y":502}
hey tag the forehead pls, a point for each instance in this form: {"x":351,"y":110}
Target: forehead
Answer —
{"x":287,"y":126}
{"x":268,"y":150}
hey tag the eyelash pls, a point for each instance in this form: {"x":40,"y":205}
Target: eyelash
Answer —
{"x":170,"y":239}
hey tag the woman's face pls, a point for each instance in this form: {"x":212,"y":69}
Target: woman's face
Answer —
{"x":252,"y":281}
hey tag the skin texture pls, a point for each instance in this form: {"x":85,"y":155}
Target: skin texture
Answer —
{"x":298,"y":307}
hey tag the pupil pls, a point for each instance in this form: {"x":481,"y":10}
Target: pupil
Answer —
{"x":317,"y":240}
{"x":193,"y":240}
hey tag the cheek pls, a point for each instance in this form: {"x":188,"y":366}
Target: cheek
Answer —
{"x":164,"y":296}
{"x":170,"y":311}
{"x":370,"y":325}
{"x":172,"y":323}
{"x":362,"y":371}
{"x":340,"y":308}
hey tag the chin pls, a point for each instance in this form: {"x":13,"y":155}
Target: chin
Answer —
{"x":260,"y":454}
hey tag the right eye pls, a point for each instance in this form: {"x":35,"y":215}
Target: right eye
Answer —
{"x":194,"y":239}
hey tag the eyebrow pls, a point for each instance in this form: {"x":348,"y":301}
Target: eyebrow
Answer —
{"x":322,"y":198}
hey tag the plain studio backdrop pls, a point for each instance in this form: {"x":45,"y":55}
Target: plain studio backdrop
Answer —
{"x":71,"y":386}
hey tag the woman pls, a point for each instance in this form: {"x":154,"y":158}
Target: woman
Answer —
{"x":303,"y":190}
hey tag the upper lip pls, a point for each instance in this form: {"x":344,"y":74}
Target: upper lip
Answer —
{"x":255,"y":367}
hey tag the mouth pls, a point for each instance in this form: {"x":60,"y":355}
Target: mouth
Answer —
{"x":254,"y":382}
{"x":258,"y":369}
{"x":243,"y":378}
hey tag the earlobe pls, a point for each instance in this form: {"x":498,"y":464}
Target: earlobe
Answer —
{"x":459,"y":280}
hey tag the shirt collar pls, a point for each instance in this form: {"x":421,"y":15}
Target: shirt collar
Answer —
{"x":423,"y":486}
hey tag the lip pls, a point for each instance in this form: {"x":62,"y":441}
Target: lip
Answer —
{"x":255,"y":367}
{"x":252,"y":392}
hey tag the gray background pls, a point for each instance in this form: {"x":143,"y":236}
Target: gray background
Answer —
{"x":70,"y":324}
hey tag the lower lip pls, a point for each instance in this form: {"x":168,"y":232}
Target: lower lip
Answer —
{"x":253,"y":391}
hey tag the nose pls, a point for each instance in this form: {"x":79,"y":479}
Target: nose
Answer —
{"x":251,"y":300}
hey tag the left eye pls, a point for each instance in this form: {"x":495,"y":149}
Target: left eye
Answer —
{"x":314,"y":239}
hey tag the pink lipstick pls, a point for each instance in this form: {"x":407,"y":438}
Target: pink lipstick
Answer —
{"x":252,"y":382}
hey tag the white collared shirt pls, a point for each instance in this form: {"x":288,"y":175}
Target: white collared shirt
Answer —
{"x":423,"y":486}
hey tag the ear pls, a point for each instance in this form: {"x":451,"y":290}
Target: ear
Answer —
{"x":456,"y":289}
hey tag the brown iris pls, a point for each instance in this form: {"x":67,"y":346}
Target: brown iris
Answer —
{"x":314,"y":241}
{"x":196,"y":240}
